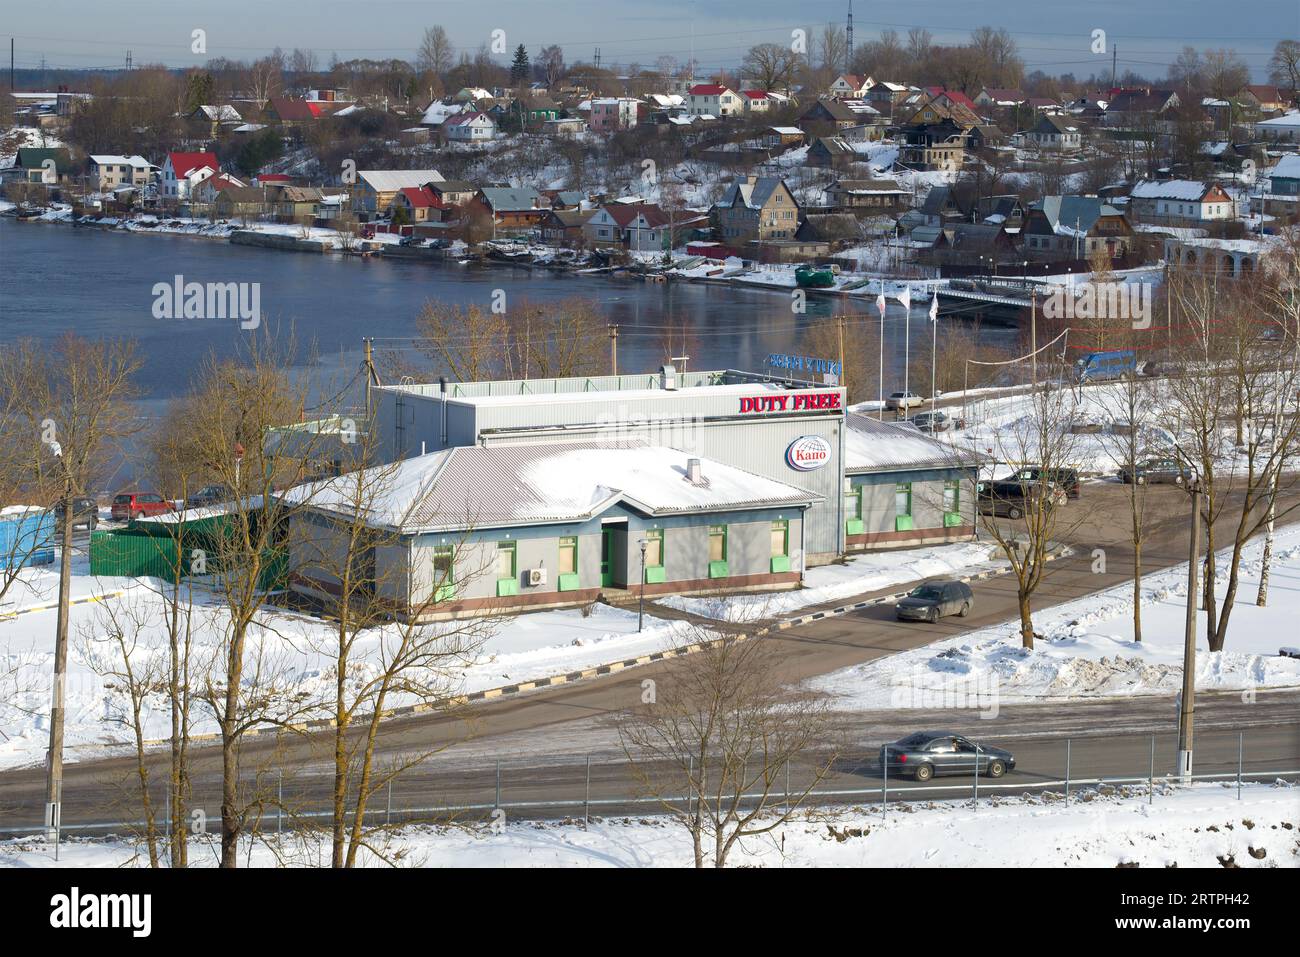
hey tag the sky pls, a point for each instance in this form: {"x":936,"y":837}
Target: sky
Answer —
{"x":1053,"y":35}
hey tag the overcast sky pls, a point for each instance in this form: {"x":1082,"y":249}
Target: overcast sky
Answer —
{"x":1053,"y":35}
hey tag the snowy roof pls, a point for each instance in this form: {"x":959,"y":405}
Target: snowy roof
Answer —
{"x":135,"y":161}
{"x":752,"y":192}
{"x":1187,"y":190}
{"x":391,"y":180}
{"x":513,"y":485}
{"x":1287,"y":167}
{"x":874,"y":446}
{"x":1286,"y":121}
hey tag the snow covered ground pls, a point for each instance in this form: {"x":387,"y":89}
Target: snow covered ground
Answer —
{"x":296,"y":647}
{"x":1200,"y":826}
{"x":857,"y":576}
{"x":1088,"y":650}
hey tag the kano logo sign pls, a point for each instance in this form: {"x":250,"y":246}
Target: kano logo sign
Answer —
{"x":807,"y":453}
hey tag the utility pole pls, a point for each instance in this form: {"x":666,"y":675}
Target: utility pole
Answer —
{"x":1187,"y":704}
{"x":1033,"y":335}
{"x":54,"y":758}
{"x":371,"y":376}
{"x":839,"y":321}
{"x":848,"y":41}
{"x":1114,"y":58}
{"x":613,"y":348}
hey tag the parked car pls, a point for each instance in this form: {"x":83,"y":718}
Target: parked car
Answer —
{"x":209,"y":495}
{"x":132,"y":505}
{"x":902,"y":400}
{"x":1155,"y":472}
{"x":925,"y":754}
{"x":936,"y":599}
{"x":1066,"y":479}
{"x":937,"y":421}
{"x":85,"y":511}
{"x":1011,"y":498}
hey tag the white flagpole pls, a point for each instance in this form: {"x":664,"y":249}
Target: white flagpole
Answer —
{"x":934,"y":342}
{"x":906,"y":299}
{"x":880,"y":304}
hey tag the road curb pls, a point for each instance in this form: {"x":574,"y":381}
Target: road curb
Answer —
{"x":596,"y":671}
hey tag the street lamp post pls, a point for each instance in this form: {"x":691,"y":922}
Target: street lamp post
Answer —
{"x":640,"y":607}
{"x":1187,"y":702}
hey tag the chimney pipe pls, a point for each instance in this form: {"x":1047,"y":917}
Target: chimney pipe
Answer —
{"x":693,"y":471}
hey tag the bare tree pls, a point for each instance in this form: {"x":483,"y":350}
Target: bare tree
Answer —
{"x":718,"y":740}
{"x":770,"y":66}
{"x":436,"y":51}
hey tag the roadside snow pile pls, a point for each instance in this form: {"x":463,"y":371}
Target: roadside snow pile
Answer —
{"x":1199,"y":826}
{"x":289,"y":650}
{"x":856,"y":576}
{"x":1087,"y":649}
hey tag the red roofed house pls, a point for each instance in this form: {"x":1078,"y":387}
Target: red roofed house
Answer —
{"x":421,"y":203}
{"x":183,"y":171}
{"x":208,"y":190}
{"x":709,"y":99}
{"x":289,"y":112}
{"x":849,"y":86}
{"x":469,"y":127}
{"x":756,"y":101}
{"x":952,"y":97}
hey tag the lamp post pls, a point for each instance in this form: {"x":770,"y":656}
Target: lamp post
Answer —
{"x":640,"y":606}
{"x":1187,"y":702}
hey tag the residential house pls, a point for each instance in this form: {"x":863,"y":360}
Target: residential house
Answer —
{"x":42,"y":164}
{"x":181,"y":172}
{"x":207,"y":121}
{"x":292,"y":113}
{"x":510,"y":210}
{"x":849,"y":86}
{"x":884,"y":96}
{"x":782,"y":137}
{"x":756,"y":208}
{"x":452,"y":192}
{"x":1180,"y":202}
{"x":419,"y":204}
{"x":375,"y":189}
{"x":936,"y":135}
{"x":1268,"y":100}
{"x":469,"y":127}
{"x":295,"y":204}
{"x":110,"y":171}
{"x":638,"y":227}
{"x":978,"y":246}
{"x":868,"y":196}
{"x":564,"y":126}
{"x":1055,"y":133}
{"x":613,"y":113}
{"x":1060,"y":228}
{"x":1279,"y":129}
{"x":831,"y":152}
{"x":710,"y":99}
{"x":833,"y":117}
{"x":240,"y":202}
{"x":206,"y":192}
{"x":1283,"y":195}
{"x":1140,"y":108}
{"x":992,"y":98}
{"x":756,"y":101}
{"x":565,"y":227}
{"x":437,"y":113}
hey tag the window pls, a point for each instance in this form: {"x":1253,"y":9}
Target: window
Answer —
{"x":443,"y":559}
{"x":568,"y":556}
{"x":654,"y":548}
{"x":952,"y":496}
{"x":717,"y":543}
{"x":853,"y":502}
{"x":903,"y":499}
{"x":780,"y":537}
{"x":505,"y":559}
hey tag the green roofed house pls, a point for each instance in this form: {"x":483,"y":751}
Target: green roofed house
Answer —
{"x":482,"y":528}
{"x":44,"y":164}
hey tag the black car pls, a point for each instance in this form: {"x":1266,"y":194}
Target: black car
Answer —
{"x":936,"y":599}
{"x":209,"y":495}
{"x":1155,"y":472}
{"x":85,"y":511}
{"x":1066,"y":479}
{"x":1012,"y":498}
{"x":925,"y":754}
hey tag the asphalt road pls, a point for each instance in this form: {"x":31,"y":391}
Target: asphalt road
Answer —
{"x":543,"y":738}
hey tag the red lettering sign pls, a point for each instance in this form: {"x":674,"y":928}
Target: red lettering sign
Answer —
{"x":797,"y":402}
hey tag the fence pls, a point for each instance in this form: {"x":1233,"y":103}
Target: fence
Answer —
{"x":587,"y":788}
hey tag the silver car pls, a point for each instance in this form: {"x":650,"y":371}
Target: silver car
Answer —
{"x":936,"y":599}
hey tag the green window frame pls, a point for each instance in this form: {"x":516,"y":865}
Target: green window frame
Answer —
{"x":951,"y":502}
{"x":444,"y":572}
{"x":718,"y":565}
{"x":903,"y":507}
{"x":568,"y":579}
{"x":507,"y":584}
{"x":654,"y":556}
{"x":781,"y":527}
{"x":853,"y":510}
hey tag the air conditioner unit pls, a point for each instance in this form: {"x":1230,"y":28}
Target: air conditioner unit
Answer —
{"x":537,"y":576}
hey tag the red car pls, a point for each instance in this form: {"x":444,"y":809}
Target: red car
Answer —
{"x":132,"y":505}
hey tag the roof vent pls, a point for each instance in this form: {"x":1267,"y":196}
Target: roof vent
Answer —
{"x":668,"y":377}
{"x":693,"y":474}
